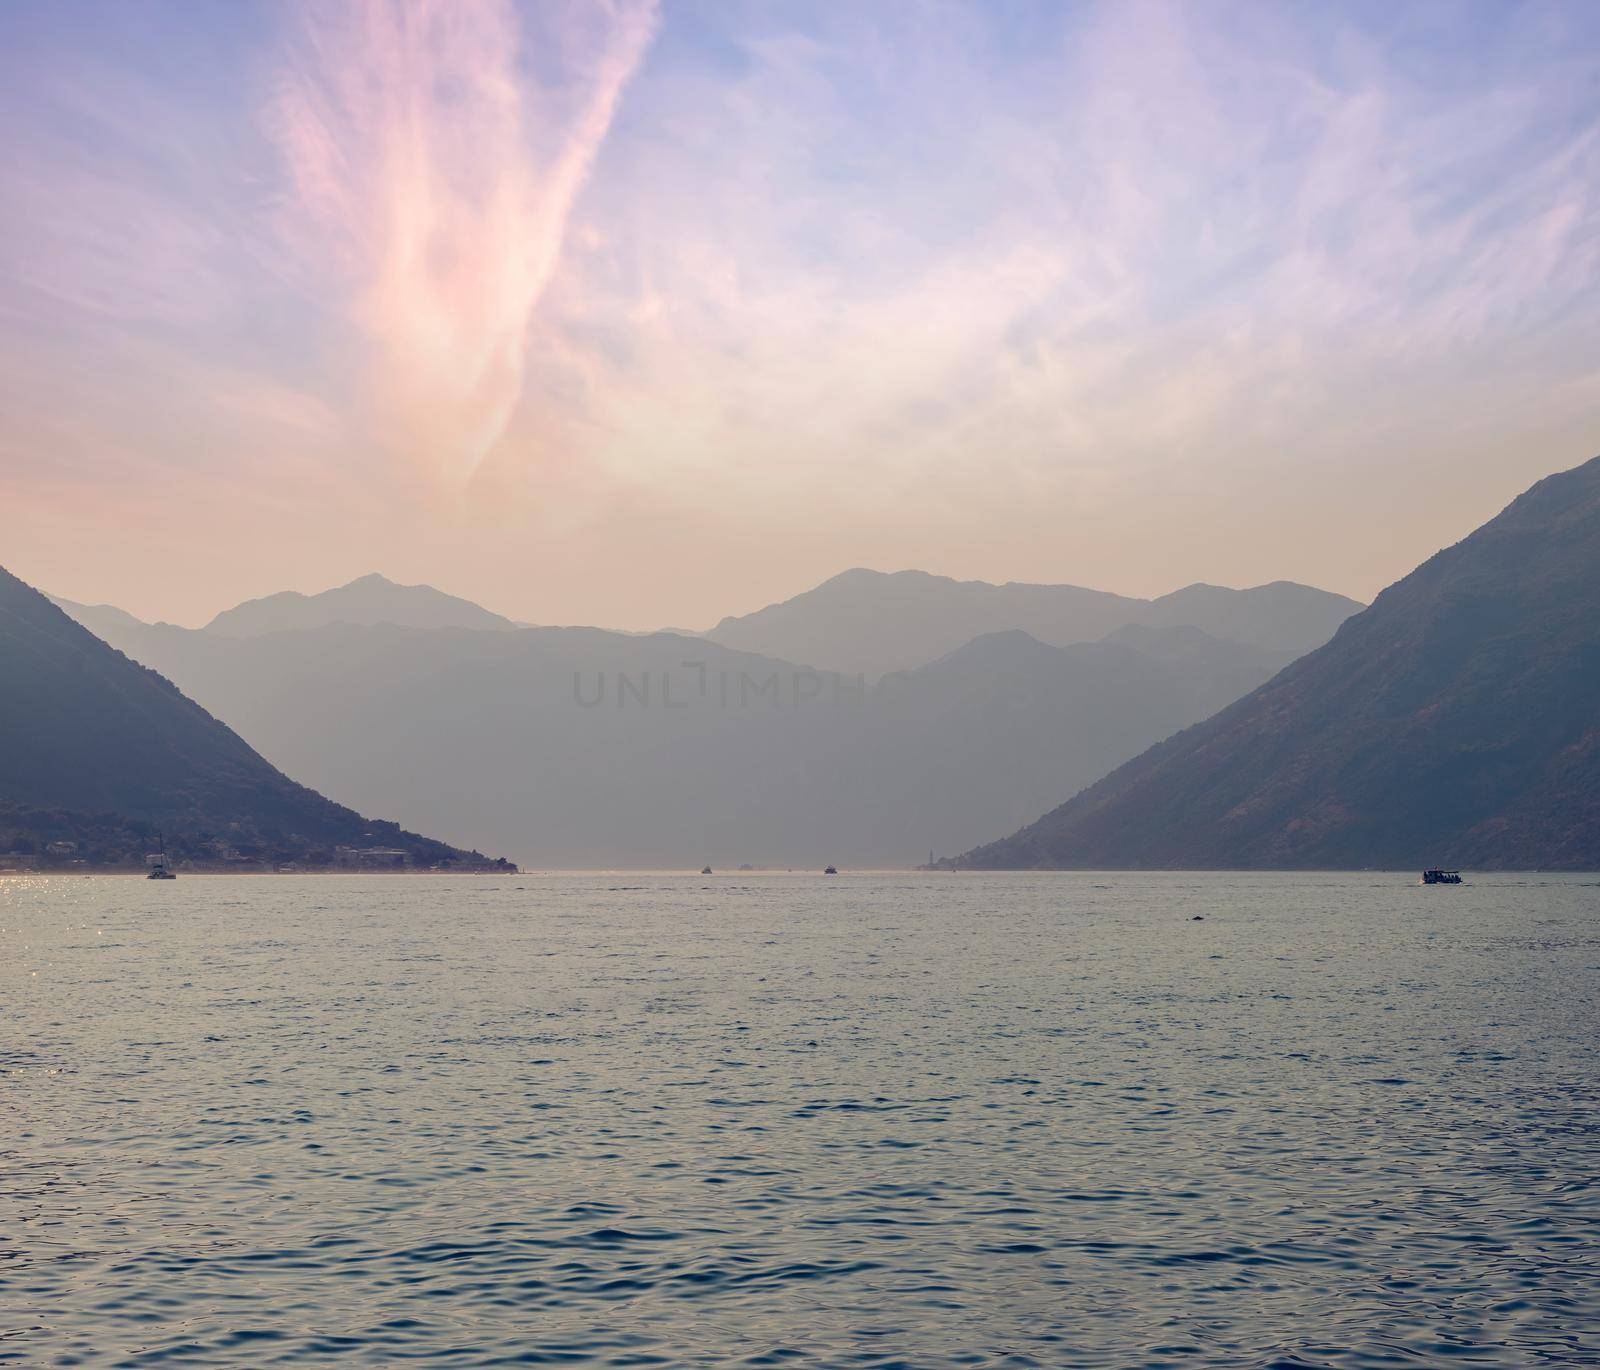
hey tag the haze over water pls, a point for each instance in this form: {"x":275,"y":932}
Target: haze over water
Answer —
{"x":919,"y":1120}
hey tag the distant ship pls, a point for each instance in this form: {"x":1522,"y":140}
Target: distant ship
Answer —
{"x":830,"y":871}
{"x":157,"y":861}
{"x":705,"y":870}
{"x":1441,"y":877}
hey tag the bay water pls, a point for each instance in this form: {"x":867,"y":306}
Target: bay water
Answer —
{"x":877,"y":1120}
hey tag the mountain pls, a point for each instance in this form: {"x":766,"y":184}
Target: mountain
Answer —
{"x":1455,"y":722}
{"x":371,"y":599}
{"x":100,"y":619}
{"x":577,"y":746}
{"x":874,"y":623}
{"x":90,"y":739}
{"x":1281,"y":616}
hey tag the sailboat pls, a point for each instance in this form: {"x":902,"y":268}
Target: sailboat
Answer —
{"x":157,"y":861}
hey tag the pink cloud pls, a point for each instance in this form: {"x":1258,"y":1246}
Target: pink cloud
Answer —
{"x":432,"y":182}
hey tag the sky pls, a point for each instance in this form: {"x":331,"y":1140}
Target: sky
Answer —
{"x":640,"y":314}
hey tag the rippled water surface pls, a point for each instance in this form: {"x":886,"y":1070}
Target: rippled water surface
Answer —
{"x":913,"y":1120}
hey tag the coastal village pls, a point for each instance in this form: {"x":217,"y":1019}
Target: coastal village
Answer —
{"x":60,"y":842}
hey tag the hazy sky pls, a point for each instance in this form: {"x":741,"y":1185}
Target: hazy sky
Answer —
{"x":639,"y":314}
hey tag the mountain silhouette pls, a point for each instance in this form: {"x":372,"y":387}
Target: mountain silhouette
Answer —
{"x":1456,"y":721}
{"x":371,"y":599}
{"x":85,"y":731}
{"x":527,"y":741}
{"x":874,"y":623}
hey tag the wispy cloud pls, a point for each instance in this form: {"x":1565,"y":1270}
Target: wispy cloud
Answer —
{"x":1174,"y":236}
{"x":921,"y":283}
{"x":433,"y":179}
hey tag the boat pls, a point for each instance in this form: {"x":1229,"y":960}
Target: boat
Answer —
{"x":157,"y":862}
{"x":705,"y":870}
{"x":830,"y":871}
{"x":1441,"y":877}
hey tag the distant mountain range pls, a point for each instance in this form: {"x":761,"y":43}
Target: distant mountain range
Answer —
{"x":99,"y":753}
{"x":371,"y":599}
{"x":872,"y":622}
{"x":1456,"y":722}
{"x":496,"y":737}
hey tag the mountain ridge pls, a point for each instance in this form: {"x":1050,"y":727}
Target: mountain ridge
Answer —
{"x":876,"y":622}
{"x":524,"y":738}
{"x":87,"y":731}
{"x":1455,"y":721}
{"x":368,"y":599}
